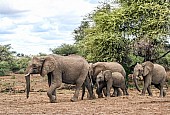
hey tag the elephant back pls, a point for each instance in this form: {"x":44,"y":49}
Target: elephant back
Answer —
{"x":114,"y":67}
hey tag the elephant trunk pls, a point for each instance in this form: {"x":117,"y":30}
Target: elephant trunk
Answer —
{"x":27,"y":78}
{"x":136,"y":84}
{"x":97,"y":82}
{"x":97,"y":90}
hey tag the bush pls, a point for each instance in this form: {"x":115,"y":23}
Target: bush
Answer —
{"x":20,"y":64}
{"x":4,"y":68}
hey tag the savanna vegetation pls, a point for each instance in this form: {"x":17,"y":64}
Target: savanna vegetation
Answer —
{"x":129,"y":32}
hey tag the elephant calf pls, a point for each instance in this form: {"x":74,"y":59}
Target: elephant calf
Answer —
{"x":115,"y":79}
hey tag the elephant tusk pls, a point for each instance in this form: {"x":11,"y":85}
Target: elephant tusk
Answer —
{"x":27,"y":74}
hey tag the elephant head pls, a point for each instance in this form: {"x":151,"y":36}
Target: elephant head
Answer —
{"x":94,"y":70}
{"x":103,"y":76}
{"x":143,"y":69}
{"x":99,"y":78}
{"x":42,"y":66}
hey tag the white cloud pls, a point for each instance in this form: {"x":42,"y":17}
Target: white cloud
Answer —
{"x":34,"y":26}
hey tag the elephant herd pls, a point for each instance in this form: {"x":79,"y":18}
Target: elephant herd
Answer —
{"x":74,"y":69}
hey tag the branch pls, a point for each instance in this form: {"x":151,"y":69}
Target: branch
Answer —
{"x":153,"y":60}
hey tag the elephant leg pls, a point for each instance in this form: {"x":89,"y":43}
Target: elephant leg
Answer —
{"x":104,"y":91}
{"x":147,"y":83}
{"x":124,"y":89}
{"x":89,"y":87}
{"x":50,"y":79}
{"x":109,"y":85}
{"x":99,"y":89}
{"x":162,"y":91}
{"x":56,"y":83}
{"x":117,"y":92}
{"x":149,"y":90}
{"x":79,"y":84}
{"x":124,"y":92}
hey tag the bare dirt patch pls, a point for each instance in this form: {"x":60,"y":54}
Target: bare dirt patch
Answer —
{"x":13,"y":100}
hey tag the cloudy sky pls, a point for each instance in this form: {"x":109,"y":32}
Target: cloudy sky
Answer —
{"x":34,"y":26}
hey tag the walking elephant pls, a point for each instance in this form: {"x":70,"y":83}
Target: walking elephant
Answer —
{"x":114,"y":79}
{"x":97,"y":67}
{"x":71,"y":69}
{"x":153,"y":74}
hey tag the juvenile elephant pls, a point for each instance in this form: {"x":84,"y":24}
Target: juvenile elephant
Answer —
{"x":114,"y":79}
{"x":97,"y":67}
{"x":67,"y":69}
{"x":153,"y":74}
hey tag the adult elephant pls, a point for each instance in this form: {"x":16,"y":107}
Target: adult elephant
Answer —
{"x":67,"y":69}
{"x":153,"y":74}
{"x":97,"y":67}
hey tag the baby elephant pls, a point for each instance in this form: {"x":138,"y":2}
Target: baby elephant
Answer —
{"x":114,"y":79}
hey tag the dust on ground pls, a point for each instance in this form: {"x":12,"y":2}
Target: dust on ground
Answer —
{"x":13,"y":100}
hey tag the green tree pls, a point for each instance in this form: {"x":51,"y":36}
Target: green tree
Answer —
{"x":6,"y":59}
{"x":79,"y":33}
{"x":6,"y":53}
{"x":65,"y":49}
{"x":148,"y":22}
{"x":20,"y":64}
{"x":113,"y":33}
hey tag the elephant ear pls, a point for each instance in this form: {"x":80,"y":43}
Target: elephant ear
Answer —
{"x":148,"y":68}
{"x":98,"y":68}
{"x":90,"y":69}
{"x":107,"y":75}
{"x":47,"y":66}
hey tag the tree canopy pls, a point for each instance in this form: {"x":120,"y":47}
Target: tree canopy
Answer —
{"x":135,"y":28}
{"x":11,"y":63}
{"x":65,"y":49}
{"x":111,"y":30}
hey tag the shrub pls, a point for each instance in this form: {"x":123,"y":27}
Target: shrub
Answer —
{"x":4,"y":68}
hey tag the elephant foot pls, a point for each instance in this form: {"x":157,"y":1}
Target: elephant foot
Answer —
{"x":160,"y":96}
{"x":100,"y":96}
{"x":150,"y":95}
{"x":73,"y":99}
{"x":53,"y":99}
{"x":107,"y":96}
{"x":119,"y":94}
{"x":92,"y":97}
{"x":164,"y":94}
{"x":142,"y":94}
{"x":127,"y":93}
{"x":113,"y":95}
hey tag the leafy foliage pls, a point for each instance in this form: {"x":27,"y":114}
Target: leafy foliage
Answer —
{"x":65,"y":49}
{"x":4,"y":68}
{"x":11,"y":63}
{"x":20,"y":64}
{"x":112,"y":32}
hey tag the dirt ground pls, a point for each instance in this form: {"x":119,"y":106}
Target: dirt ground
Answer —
{"x":13,"y":101}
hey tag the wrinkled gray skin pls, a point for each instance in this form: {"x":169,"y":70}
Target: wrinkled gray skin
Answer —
{"x":114,"y":79}
{"x":97,"y":67}
{"x":71,"y":69}
{"x":153,"y":74}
